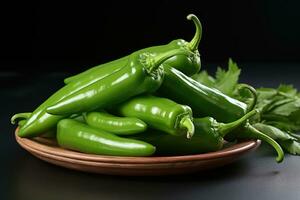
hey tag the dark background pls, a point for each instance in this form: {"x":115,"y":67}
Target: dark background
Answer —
{"x":73,"y":36}
{"x":42,"y":43}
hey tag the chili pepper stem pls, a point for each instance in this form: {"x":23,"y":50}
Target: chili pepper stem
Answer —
{"x":194,"y":43}
{"x":25,"y":115}
{"x":153,"y":62}
{"x":223,"y":129}
{"x":253,"y":93}
{"x":186,"y":123}
{"x":269,"y":140}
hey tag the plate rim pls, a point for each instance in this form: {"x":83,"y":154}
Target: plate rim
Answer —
{"x":236,"y":149}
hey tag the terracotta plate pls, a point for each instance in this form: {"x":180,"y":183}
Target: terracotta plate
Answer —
{"x":48,"y":151}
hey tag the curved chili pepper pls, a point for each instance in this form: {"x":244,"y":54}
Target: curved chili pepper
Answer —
{"x":160,"y":113}
{"x":188,"y":65}
{"x":74,"y":135}
{"x":114,"y":124}
{"x":208,"y":137}
{"x":206,"y":101}
{"x":142,"y":74}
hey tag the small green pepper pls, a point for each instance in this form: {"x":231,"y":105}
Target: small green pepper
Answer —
{"x":188,"y":65}
{"x":77,"y":136}
{"x":208,"y":137}
{"x":114,"y":124}
{"x":142,"y":74}
{"x":159,"y":113}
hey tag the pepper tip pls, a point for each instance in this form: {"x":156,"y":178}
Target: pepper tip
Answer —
{"x":190,"y":16}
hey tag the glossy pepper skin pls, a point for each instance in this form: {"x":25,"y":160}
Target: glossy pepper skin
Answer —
{"x":114,"y":124}
{"x":189,"y":65}
{"x":142,"y":74}
{"x":77,"y":136}
{"x":206,"y":101}
{"x":208,"y":137}
{"x":160,"y":113}
{"x":41,"y":121}
{"x":203,"y":100}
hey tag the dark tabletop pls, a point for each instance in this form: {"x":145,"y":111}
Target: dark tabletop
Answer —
{"x":255,"y":176}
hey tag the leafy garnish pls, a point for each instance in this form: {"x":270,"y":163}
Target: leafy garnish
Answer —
{"x":279,"y":107}
{"x":225,"y":81}
{"x":290,"y":146}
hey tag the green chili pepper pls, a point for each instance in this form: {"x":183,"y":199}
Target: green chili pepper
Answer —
{"x":114,"y":124}
{"x":143,"y":74}
{"x":189,"y":65}
{"x":74,"y":135}
{"x":41,"y":121}
{"x":208,"y":137}
{"x":106,"y":68}
{"x":160,"y":113}
{"x":206,"y":101}
{"x":203,"y":100}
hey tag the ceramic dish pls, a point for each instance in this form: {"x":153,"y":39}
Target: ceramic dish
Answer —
{"x":49,"y":151}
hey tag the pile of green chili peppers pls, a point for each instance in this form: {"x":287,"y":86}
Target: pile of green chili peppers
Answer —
{"x":144,"y":104}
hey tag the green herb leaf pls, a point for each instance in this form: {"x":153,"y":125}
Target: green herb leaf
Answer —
{"x":205,"y":79}
{"x":291,"y":146}
{"x":225,"y":81}
{"x":288,"y":90}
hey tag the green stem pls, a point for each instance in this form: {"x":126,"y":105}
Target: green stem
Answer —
{"x":253,"y":93}
{"x":159,"y":59}
{"x":259,"y":135}
{"x":194,"y":43}
{"x":19,"y":116}
{"x":223,"y":129}
{"x":186,"y":123}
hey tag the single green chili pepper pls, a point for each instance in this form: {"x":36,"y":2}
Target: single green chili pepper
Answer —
{"x":160,"y":113}
{"x":74,"y":135}
{"x":206,"y":101}
{"x":143,"y":74}
{"x":208,"y":137}
{"x":189,"y":65}
{"x":114,"y":124}
{"x":203,"y":100}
